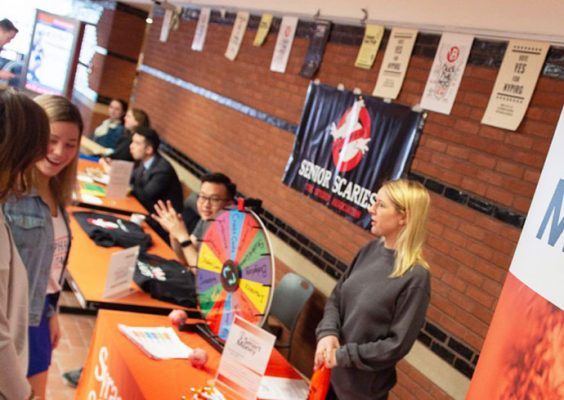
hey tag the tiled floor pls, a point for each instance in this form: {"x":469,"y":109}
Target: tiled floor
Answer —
{"x":71,"y":352}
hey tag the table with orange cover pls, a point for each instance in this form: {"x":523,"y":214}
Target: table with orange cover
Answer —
{"x":117,"y":368}
{"x":127,"y":205}
{"x":88,"y":266}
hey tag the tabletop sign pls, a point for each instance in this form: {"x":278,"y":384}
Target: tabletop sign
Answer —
{"x":244,"y":360}
{"x":515,"y":83}
{"x":120,"y":273}
{"x":120,"y":176}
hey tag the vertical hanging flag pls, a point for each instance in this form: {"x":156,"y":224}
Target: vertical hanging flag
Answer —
{"x":237,"y":34}
{"x":283,"y":44}
{"x":370,"y":45}
{"x":446,"y":72}
{"x":201,"y":30}
{"x":165,"y":28}
{"x":515,"y":83}
{"x":262,"y":31}
{"x":394,"y":65}
{"x":317,"y":42}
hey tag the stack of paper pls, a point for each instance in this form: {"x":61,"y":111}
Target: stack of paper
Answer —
{"x":157,"y":342}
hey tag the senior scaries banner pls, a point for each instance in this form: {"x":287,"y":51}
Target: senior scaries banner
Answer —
{"x":347,"y":146}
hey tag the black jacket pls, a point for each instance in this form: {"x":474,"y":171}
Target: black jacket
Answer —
{"x":159,"y":182}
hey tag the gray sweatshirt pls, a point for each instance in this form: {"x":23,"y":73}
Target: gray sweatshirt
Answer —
{"x":376,"y":319}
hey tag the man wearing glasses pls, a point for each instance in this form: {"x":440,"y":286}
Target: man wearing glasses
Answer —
{"x":216,"y":192}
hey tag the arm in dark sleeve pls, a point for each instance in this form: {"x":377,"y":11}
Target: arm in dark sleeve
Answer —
{"x":383,"y":353}
{"x":153,"y":189}
{"x":330,"y":324}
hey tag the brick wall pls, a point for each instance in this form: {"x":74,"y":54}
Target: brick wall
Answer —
{"x":483,"y":177}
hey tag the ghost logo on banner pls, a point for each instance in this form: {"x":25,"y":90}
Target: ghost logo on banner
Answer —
{"x":350,"y":137}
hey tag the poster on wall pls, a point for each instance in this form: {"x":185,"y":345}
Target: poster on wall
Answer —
{"x":284,"y":44}
{"x":394,"y":66}
{"x":201,"y":30}
{"x":515,"y":83}
{"x":525,"y":339}
{"x":237,"y":34}
{"x":317,"y":43}
{"x":446,"y":72}
{"x":263,"y":29}
{"x":347,"y":146}
{"x":370,"y":44}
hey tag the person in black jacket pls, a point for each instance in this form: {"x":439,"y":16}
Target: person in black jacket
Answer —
{"x":154,"y":178}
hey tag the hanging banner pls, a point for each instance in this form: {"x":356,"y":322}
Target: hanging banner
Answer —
{"x":165,"y":28}
{"x":283,"y":44}
{"x":237,"y":34}
{"x":263,"y":29}
{"x":347,"y":146}
{"x":370,"y":44}
{"x":201,"y":30}
{"x":394,"y":66}
{"x":317,"y":43}
{"x":515,"y":83}
{"x":526,"y":337}
{"x":446,"y":72}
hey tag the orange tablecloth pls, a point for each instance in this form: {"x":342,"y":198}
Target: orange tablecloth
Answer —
{"x":88,"y":266}
{"x":129,"y":204}
{"x":115,"y":366}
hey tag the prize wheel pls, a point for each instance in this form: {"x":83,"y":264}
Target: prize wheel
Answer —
{"x":235,"y":274}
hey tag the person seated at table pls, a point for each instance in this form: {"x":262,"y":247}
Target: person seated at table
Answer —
{"x":24,"y":136}
{"x":134,"y":118}
{"x":41,"y":232}
{"x":111,"y":129}
{"x":154,"y":178}
{"x":217,"y":191}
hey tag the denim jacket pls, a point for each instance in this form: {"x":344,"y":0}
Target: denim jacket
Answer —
{"x":32,"y":228}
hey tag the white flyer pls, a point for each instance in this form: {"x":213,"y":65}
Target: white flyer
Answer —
{"x":165,"y":29}
{"x":120,"y":176}
{"x":201,"y":30}
{"x":120,"y":273}
{"x":244,"y":359}
{"x":446,"y":72}
{"x":284,"y":44}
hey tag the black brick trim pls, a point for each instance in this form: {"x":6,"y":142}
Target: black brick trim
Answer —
{"x":498,"y":212}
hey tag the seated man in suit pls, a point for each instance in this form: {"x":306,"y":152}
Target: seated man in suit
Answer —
{"x":154,"y":178}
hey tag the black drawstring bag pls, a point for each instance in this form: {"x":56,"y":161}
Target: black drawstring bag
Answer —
{"x":107,"y":230}
{"x":165,"y":280}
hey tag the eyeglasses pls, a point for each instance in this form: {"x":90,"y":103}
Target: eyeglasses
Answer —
{"x":211,"y":199}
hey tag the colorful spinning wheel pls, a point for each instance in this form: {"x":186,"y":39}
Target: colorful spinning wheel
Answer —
{"x":235,"y":273}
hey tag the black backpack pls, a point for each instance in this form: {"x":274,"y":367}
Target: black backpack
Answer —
{"x":107,"y":230}
{"x":165,"y":280}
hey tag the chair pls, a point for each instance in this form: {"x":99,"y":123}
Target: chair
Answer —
{"x":290,"y":296}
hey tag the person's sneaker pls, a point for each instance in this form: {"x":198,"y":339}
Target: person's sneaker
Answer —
{"x":72,"y":377}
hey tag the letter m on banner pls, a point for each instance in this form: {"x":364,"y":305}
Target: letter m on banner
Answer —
{"x":347,"y":146}
{"x":553,"y":212}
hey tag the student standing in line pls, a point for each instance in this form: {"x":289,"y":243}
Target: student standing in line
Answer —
{"x":41,"y":232}
{"x":377,"y":308}
{"x":24,"y":135}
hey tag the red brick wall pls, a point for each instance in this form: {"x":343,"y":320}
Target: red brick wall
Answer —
{"x":469,"y":252}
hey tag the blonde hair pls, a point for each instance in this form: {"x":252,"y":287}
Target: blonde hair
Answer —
{"x":60,"y":109}
{"x":412,"y":199}
{"x":24,"y":136}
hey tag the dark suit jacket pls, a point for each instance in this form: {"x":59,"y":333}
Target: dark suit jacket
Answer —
{"x":159,"y":182}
